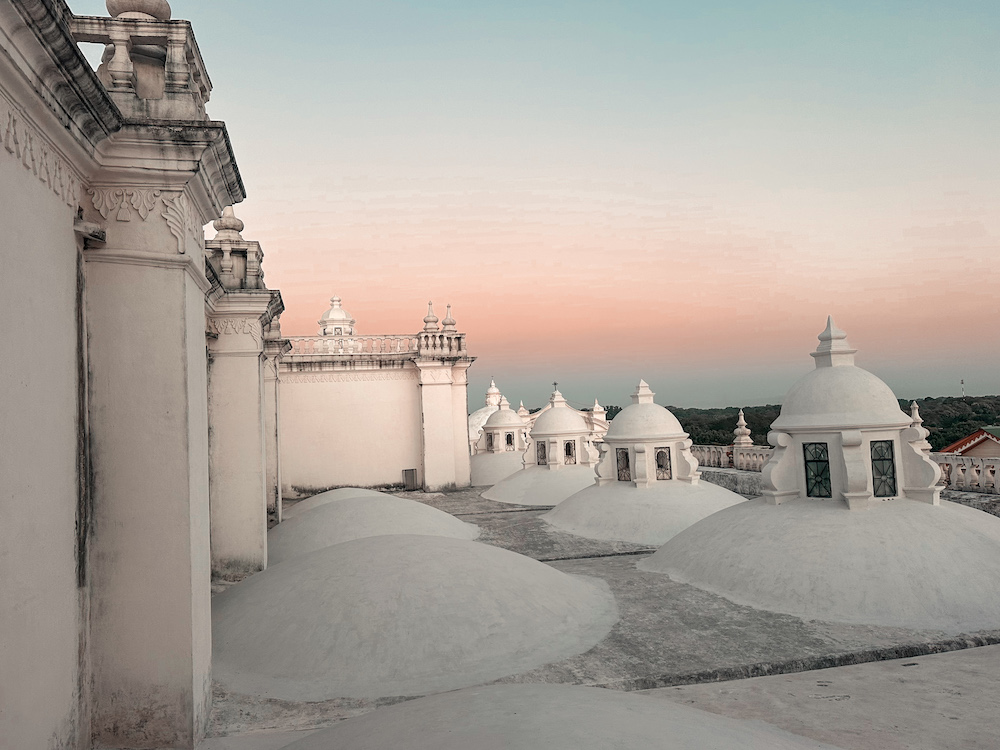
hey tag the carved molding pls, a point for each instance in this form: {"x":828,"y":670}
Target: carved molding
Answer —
{"x":122,"y":201}
{"x":237,"y":326}
{"x":345,"y":377}
{"x":26,"y":144}
{"x":181,"y":221}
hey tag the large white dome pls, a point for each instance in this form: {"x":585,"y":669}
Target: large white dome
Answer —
{"x":341,"y":493}
{"x":400,"y":615}
{"x":504,"y":418}
{"x":640,"y":515}
{"x":554,"y":717}
{"x":901,"y":563}
{"x":359,"y":517}
{"x":559,"y":420}
{"x":639,"y":422}
{"x":537,"y":485}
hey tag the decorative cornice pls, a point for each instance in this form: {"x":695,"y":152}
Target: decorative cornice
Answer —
{"x":346,"y":377}
{"x":78,"y":96}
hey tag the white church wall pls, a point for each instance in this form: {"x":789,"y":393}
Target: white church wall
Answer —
{"x":323,"y":442}
{"x":40,"y":602}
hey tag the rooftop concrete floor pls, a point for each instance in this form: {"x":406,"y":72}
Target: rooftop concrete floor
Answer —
{"x":672,"y":634}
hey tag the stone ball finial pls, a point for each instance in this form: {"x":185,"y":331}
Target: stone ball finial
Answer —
{"x":157,"y":10}
{"x":228,"y":227}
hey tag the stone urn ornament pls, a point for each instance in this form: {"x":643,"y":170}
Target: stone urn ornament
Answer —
{"x":158,"y":10}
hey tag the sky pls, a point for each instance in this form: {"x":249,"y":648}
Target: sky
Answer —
{"x":607,"y":191}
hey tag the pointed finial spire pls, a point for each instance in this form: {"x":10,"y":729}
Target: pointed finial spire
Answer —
{"x":504,"y":403}
{"x":642,"y":395}
{"x":431,"y":320}
{"x":742,"y":432}
{"x":522,"y":411}
{"x":557,"y":398}
{"x":833,"y":349}
{"x":917,"y":423}
{"x":449,"y":322}
{"x":228,"y":227}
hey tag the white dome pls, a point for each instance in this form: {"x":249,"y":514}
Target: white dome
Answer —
{"x":336,"y":317}
{"x":400,"y":615}
{"x":489,"y":468}
{"x":330,"y":496}
{"x":559,"y":420}
{"x":359,"y":517}
{"x":639,"y":422}
{"x":555,"y":717}
{"x":477,"y":420}
{"x":838,"y":397}
{"x":838,"y":394}
{"x":900,"y":563}
{"x":617,"y":511}
{"x":504,"y":418}
{"x":537,"y":485}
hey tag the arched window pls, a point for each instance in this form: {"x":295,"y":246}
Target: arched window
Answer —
{"x":624,"y":468}
{"x":817,"y":456}
{"x":540,"y":453}
{"x":338,"y":331}
{"x":569,"y":452}
{"x":663,"y":463}
{"x":883,"y":468}
{"x":510,"y":441}
{"x":489,"y":441}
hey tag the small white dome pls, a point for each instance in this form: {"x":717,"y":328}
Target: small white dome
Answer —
{"x":559,"y":420}
{"x":337,"y":317}
{"x":644,"y":421}
{"x":838,"y":397}
{"x":477,"y":421}
{"x":504,"y":418}
{"x":838,"y":394}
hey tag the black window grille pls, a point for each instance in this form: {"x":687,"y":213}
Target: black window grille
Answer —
{"x":510,"y":441}
{"x":489,"y":441}
{"x":883,"y":468}
{"x":624,"y":468}
{"x":540,"y":453}
{"x":663,"y":463}
{"x":817,"y":470}
{"x":570,"y":452}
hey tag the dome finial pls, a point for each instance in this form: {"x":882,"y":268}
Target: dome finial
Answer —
{"x":228,"y":227}
{"x":833,"y":349}
{"x":153,"y":10}
{"x":642,"y":395}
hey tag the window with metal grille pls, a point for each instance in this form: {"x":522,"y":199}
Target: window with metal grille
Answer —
{"x":624,"y":468}
{"x":540,"y":453}
{"x":883,"y":468}
{"x":817,"y":470}
{"x":510,"y":441}
{"x":570,"y":452}
{"x":489,"y":441}
{"x":663,"y":463}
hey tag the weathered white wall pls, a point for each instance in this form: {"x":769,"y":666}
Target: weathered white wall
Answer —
{"x":150,"y":558}
{"x":272,"y":426}
{"x":356,"y":427}
{"x":40,"y":620}
{"x":236,"y":453}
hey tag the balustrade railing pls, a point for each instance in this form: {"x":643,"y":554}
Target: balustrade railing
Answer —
{"x":744,"y":458}
{"x":968,"y":474}
{"x":353,"y":346}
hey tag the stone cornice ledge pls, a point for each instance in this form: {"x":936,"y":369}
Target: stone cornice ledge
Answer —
{"x":78,"y":93}
{"x":187,"y":263}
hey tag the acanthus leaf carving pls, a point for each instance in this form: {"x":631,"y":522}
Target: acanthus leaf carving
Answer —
{"x":122,"y":201}
{"x":235,"y":326}
{"x":176,"y":213}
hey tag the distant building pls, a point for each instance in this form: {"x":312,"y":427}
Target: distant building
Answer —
{"x":983,"y":443}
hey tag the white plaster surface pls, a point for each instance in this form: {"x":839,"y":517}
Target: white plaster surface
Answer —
{"x":900,"y":563}
{"x":357,"y":518}
{"x":936,"y":702}
{"x":538,"y":486}
{"x":343,"y":493}
{"x":554,"y":717}
{"x":400,"y":615}
{"x":641,"y":515}
{"x":490,"y":468}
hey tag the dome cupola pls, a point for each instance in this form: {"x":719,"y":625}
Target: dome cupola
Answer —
{"x":336,"y":321}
